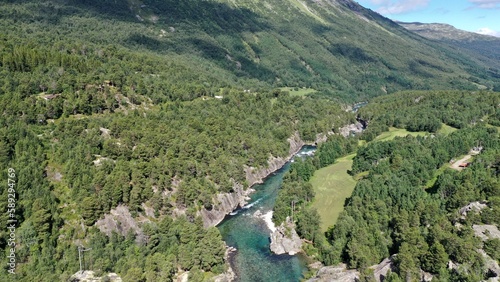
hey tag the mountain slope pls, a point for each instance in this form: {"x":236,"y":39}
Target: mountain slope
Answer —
{"x":484,"y":47}
{"x":337,"y":47}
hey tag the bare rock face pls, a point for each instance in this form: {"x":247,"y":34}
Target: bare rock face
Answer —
{"x":491,"y":265}
{"x":425,"y":276}
{"x":227,"y":202}
{"x":351,"y":128}
{"x":380,"y":270}
{"x":342,"y":274}
{"x":338,"y":273}
{"x":322,"y":137}
{"x":89,"y":276}
{"x":121,"y":221}
{"x":182,"y":277}
{"x":474,"y":207}
{"x":285,"y":240}
{"x":486,"y":232}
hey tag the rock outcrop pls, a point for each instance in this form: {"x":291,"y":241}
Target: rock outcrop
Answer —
{"x":380,"y":270}
{"x":121,"y":221}
{"x":351,"y":128}
{"x":226,"y":203}
{"x":285,"y":240}
{"x":342,"y":274}
{"x":338,"y":273}
{"x":491,"y":266}
{"x":474,"y":207}
{"x":485,"y":231}
{"x":89,"y":276}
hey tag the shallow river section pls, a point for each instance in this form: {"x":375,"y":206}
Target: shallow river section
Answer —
{"x":248,"y":228}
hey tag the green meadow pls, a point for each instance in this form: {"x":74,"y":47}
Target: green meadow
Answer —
{"x":332,"y":185}
{"x":294,"y":91}
{"x":397,"y":132}
{"x":446,"y":129}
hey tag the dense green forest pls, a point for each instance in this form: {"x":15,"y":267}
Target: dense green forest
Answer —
{"x":391,"y":212}
{"x":172,"y":50}
{"x":177,"y":155}
{"x":407,"y":202}
{"x":428,"y":111}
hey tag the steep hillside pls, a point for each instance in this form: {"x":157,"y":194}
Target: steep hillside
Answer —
{"x":337,"y":47}
{"x":484,"y":47}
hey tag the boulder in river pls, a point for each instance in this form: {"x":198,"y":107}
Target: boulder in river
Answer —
{"x":285,"y":240}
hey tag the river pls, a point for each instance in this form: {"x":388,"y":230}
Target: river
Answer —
{"x":249,"y":234}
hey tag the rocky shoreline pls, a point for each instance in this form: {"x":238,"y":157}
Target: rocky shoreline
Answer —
{"x":228,"y":202}
{"x":230,"y":274}
{"x":285,"y":240}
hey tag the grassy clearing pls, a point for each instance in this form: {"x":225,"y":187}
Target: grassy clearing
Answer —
{"x":397,"y":132}
{"x":361,"y":143}
{"x":446,"y":129}
{"x":497,"y":127}
{"x":361,"y":175}
{"x":298,"y":92}
{"x":437,"y":173}
{"x":332,"y":185}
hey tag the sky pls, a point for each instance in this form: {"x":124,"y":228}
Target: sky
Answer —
{"x":481,"y":16}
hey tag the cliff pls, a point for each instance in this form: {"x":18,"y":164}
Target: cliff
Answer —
{"x":228,"y":202}
{"x":255,"y":176}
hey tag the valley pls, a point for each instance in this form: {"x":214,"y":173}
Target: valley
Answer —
{"x":138,"y":131}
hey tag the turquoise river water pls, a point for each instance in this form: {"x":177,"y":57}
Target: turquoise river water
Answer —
{"x":248,"y":232}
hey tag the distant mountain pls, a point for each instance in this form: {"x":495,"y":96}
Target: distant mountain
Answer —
{"x":484,"y":47}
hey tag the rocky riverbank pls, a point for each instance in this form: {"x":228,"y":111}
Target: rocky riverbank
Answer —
{"x":285,"y":240}
{"x":228,"y":202}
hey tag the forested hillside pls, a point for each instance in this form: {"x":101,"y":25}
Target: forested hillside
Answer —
{"x":409,"y":203}
{"x":485,"y":48}
{"x":175,"y":50}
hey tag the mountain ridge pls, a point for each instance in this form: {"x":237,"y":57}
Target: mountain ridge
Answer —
{"x":485,"y":48}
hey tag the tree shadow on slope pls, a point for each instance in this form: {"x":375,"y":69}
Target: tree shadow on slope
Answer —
{"x":209,"y":29}
{"x":211,"y":17}
{"x":109,"y":9}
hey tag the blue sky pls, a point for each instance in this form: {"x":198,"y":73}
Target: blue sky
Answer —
{"x":482,"y":16}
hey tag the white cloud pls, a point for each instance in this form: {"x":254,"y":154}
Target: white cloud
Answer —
{"x":391,"y":7}
{"x":486,"y":4}
{"x":488,"y":31}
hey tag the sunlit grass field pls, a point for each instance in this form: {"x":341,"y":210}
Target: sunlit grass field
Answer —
{"x":332,"y":185}
{"x":397,"y":132}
